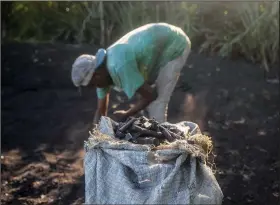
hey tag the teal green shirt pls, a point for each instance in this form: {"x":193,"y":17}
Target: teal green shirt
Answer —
{"x":138,"y":56}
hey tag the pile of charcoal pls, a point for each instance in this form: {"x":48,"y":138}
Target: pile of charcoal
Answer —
{"x":146,"y":131}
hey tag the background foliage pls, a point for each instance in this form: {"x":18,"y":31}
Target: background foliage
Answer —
{"x":249,"y":29}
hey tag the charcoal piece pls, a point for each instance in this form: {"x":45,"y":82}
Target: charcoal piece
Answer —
{"x":127,"y":124}
{"x":166,"y":134}
{"x":174,"y":135}
{"x":129,"y":137}
{"x":139,"y":127}
{"x":154,"y":125}
{"x":120,"y":135}
{"x":148,"y":140}
{"x":143,"y":131}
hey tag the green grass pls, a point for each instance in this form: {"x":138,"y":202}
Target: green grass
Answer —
{"x":249,"y":29}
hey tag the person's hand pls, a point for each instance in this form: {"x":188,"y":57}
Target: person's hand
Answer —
{"x":120,"y":115}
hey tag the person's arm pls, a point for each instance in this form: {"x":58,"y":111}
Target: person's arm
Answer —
{"x":102,"y":108}
{"x":148,"y":94}
{"x":102,"y":103}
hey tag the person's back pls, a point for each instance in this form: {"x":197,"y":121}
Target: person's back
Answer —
{"x":151,"y":46}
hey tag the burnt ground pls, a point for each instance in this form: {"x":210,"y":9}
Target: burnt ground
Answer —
{"x":45,"y":122}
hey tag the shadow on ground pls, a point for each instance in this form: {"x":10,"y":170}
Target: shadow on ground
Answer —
{"x":45,"y":122}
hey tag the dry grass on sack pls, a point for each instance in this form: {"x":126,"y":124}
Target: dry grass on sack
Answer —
{"x":203,"y":142}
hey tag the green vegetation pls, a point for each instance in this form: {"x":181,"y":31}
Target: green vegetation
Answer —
{"x":249,"y":29}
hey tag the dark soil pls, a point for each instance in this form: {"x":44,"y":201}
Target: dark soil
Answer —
{"x":45,"y":122}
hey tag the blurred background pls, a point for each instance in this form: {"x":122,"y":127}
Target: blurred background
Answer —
{"x":250,"y":29}
{"x":229,"y":86}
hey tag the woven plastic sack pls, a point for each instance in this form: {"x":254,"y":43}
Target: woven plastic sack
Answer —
{"x":120,"y":172}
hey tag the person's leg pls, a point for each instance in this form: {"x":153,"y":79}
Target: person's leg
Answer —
{"x":165,"y":83}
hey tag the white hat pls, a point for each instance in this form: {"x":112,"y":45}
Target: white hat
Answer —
{"x":84,"y":67}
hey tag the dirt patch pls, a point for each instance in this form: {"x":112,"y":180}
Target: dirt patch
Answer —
{"x":45,"y":121}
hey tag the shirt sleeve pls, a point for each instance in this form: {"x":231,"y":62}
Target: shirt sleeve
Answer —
{"x":102,"y":92}
{"x":130,"y":78}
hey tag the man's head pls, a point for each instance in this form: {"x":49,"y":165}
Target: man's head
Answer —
{"x":91,"y":70}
